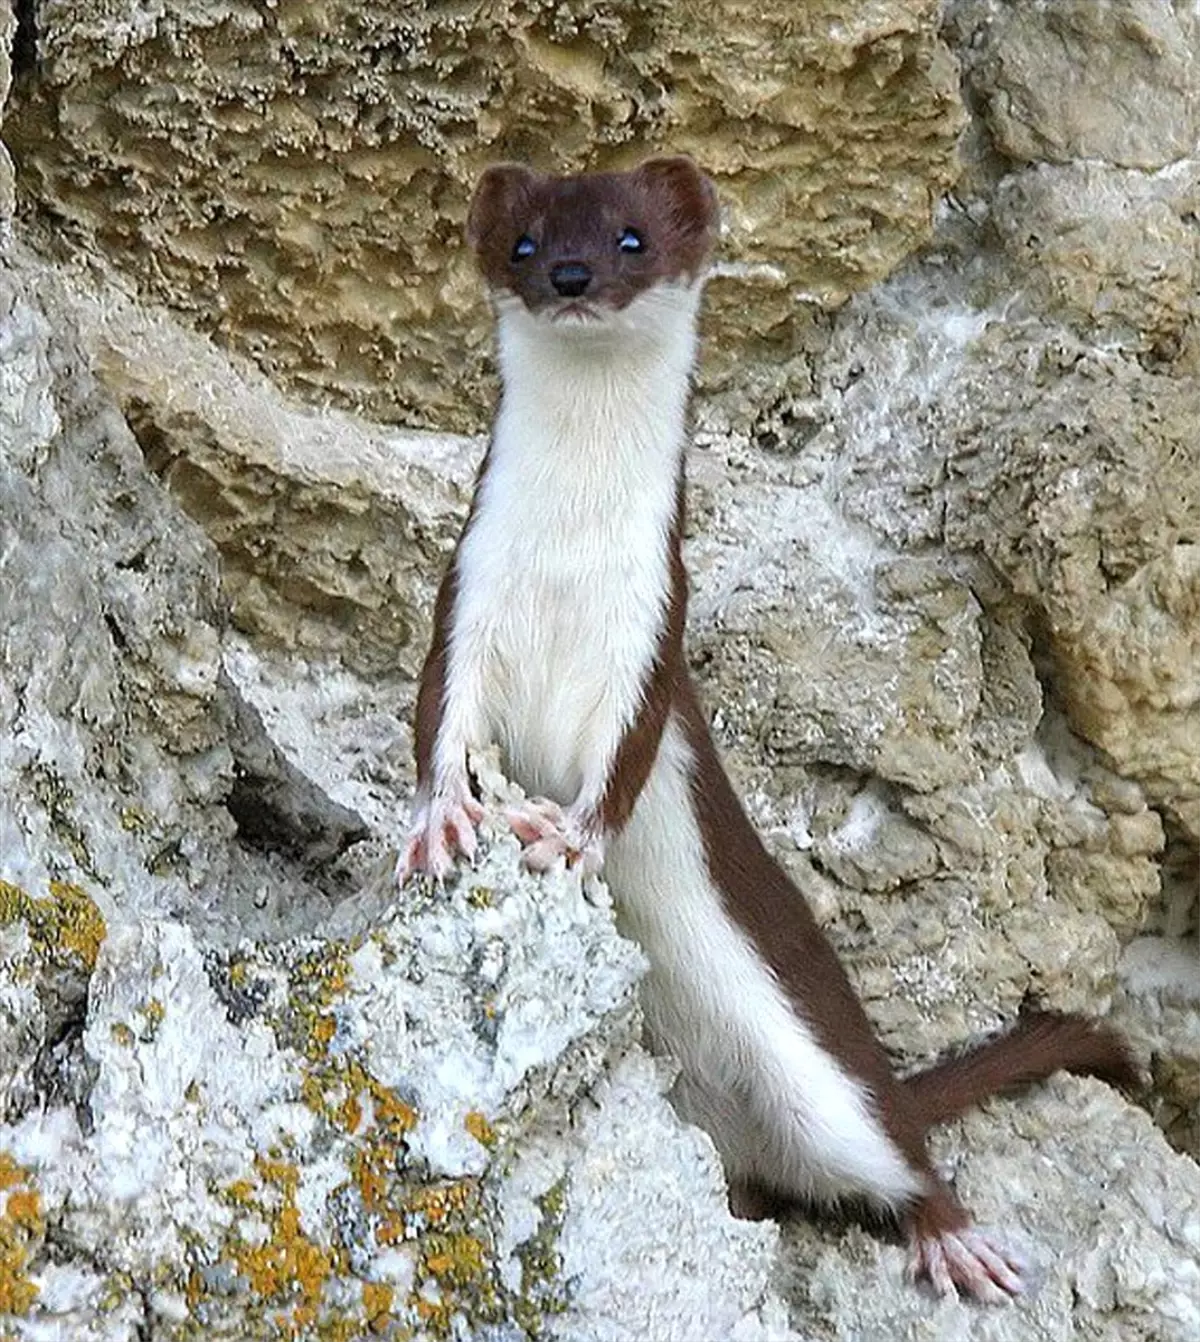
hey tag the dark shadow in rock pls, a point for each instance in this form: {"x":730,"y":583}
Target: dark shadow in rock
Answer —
{"x":276,"y":807}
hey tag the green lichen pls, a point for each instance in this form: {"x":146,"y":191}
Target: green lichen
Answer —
{"x":53,"y":795}
{"x":543,"y":1291}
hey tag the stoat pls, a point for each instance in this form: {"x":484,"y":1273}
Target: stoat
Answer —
{"x":558,"y":634}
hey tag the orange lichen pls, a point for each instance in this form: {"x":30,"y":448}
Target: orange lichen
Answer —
{"x":377,"y":1300}
{"x":288,"y":1267}
{"x":22,"y":1228}
{"x":477,"y":1125}
{"x":391,"y":1111}
{"x":458,"y":1258}
{"x":369,"y":1169}
{"x":349,"y":1114}
{"x":323,"y":1030}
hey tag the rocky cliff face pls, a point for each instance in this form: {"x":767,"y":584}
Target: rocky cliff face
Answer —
{"x":945,"y":544}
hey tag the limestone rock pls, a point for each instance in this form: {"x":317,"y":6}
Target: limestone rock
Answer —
{"x":227,"y":1104}
{"x":295,"y":178}
{"x":1072,"y":81}
{"x":1040,"y":1173}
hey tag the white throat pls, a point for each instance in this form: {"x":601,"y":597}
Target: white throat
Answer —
{"x":601,"y":394}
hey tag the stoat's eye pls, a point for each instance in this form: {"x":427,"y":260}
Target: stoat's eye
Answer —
{"x":523,"y":248}
{"x":630,"y":240}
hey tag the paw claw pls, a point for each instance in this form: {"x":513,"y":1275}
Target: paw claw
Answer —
{"x":550,"y":832}
{"x":441,"y":828}
{"x":968,"y":1262}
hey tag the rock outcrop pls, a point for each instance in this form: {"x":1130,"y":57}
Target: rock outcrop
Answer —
{"x":945,"y":544}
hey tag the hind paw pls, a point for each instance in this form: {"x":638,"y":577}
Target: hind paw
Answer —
{"x":969,"y":1262}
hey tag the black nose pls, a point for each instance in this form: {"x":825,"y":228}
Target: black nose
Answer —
{"x":571,"y":278}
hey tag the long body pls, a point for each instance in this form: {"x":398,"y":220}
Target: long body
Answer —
{"x":559,"y":635}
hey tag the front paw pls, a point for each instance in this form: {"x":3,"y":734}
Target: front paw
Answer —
{"x":550,"y":832}
{"x":442,"y":827}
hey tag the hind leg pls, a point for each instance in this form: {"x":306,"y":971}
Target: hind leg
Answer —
{"x":957,"y":1258}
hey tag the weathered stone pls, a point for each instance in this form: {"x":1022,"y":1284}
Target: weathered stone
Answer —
{"x":332,"y":531}
{"x":1112,"y":249}
{"x":295,"y":178}
{"x":1040,"y":1172}
{"x":1158,"y":1007}
{"x":945,"y":610}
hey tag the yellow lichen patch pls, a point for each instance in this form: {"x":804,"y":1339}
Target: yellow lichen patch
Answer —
{"x":322,"y":1031}
{"x":458,"y":1259}
{"x":22,"y":1228}
{"x":153,"y":1013}
{"x":438,"y":1202}
{"x":350,"y":1114}
{"x":390,"y":1110}
{"x":132,"y":820}
{"x":66,"y":926}
{"x":369,"y":1168}
{"x":287,"y":1269}
{"x":477,"y":1125}
{"x":241,"y":1191}
{"x":377,"y":1298}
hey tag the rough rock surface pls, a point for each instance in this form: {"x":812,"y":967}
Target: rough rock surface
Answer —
{"x":946,"y":610}
{"x":230,"y":1105}
{"x":295,"y":176}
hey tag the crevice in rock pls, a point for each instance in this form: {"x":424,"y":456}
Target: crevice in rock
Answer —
{"x":275,"y":807}
{"x":24,"y":47}
{"x":63,"y":1072}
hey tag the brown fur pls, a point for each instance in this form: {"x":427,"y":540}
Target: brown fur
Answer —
{"x":668,"y":201}
{"x":1040,"y":1043}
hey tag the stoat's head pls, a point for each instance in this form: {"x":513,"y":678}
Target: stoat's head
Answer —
{"x":594,"y":252}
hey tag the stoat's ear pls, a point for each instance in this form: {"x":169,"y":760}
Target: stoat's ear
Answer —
{"x":498,"y":194}
{"x":687,"y":193}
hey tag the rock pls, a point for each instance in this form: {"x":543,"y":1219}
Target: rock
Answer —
{"x":1040,"y":1172}
{"x":296,"y":182}
{"x":945,"y":613}
{"x":1061,"y":83}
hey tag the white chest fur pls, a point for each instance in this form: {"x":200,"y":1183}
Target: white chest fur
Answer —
{"x":563,"y":576}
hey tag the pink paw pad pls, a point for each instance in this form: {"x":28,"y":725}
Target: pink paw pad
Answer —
{"x":441,"y":828}
{"x":969,"y":1262}
{"x":549,"y":832}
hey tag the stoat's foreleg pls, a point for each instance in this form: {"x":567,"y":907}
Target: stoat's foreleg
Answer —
{"x":449,"y":718}
{"x":443,"y":825}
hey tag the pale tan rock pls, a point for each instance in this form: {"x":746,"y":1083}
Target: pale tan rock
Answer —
{"x":294,"y":178}
{"x":1158,"y":1008}
{"x":1109,"y":247}
{"x":333,"y":531}
{"x":1077,"y":80}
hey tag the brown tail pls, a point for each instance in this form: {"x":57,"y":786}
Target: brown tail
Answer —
{"x":1038,"y":1045}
